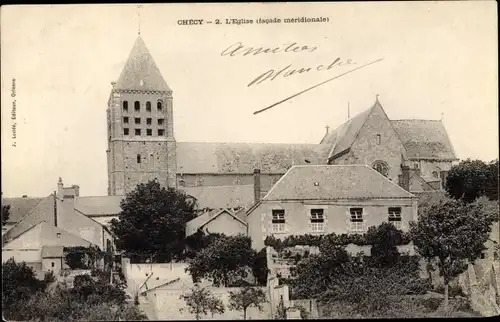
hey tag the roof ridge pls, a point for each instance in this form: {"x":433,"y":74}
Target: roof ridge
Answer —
{"x":427,"y":120}
{"x":263,"y":143}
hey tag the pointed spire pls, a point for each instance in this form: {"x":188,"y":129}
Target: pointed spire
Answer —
{"x":140,"y":71}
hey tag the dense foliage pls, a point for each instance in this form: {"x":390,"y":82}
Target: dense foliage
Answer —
{"x":246,"y":297}
{"x":452,"y":233}
{"x":80,"y":257}
{"x":90,"y":298}
{"x":336,"y":239}
{"x":471,"y":179}
{"x":200,"y":301}
{"x":152,"y":223}
{"x":363,"y":283}
{"x":224,"y":261}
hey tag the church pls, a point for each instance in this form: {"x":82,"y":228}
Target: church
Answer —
{"x":142,"y":144}
{"x":410,"y":156}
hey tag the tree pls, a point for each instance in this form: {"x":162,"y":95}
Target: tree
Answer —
{"x":5,"y":214}
{"x":18,"y":283}
{"x":152,"y":222}
{"x":246,"y":297}
{"x":259,"y":267}
{"x":225,"y":260}
{"x":473,"y":178}
{"x":453,"y":233}
{"x":384,"y":240}
{"x":201,"y":301}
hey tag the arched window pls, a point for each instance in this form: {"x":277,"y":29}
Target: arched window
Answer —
{"x":159,"y":105}
{"x":138,"y":158}
{"x":137,"y":106}
{"x":381,"y":167}
{"x":435,"y":174}
{"x":148,"y":106}
{"x":125,"y":106}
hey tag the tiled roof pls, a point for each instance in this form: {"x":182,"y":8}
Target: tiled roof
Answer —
{"x":99,"y":205}
{"x":343,"y":136}
{"x":52,"y":251}
{"x":20,"y":207}
{"x":331,"y":182}
{"x":424,"y":139}
{"x":417,"y":183}
{"x":217,"y":197}
{"x":44,"y":211}
{"x":201,"y":157}
{"x":140,"y":71}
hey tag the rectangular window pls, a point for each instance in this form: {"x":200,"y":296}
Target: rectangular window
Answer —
{"x":356,"y":221}
{"x":149,"y":132}
{"x":278,"y":220}
{"x":137,"y":120}
{"x":58,"y":235}
{"x":395,"y":217}
{"x":160,"y":121}
{"x":148,"y":121}
{"x":137,"y":131}
{"x":161,"y":132}
{"x":125,"y":120}
{"x":53,"y":264}
{"x":125,"y":131}
{"x":317,"y":220}
{"x":379,"y":139}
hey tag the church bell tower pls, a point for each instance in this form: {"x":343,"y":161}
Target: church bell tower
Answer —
{"x":141,"y":143}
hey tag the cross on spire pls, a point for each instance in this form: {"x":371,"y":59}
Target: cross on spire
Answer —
{"x":327,"y":129}
{"x":139,"y":20}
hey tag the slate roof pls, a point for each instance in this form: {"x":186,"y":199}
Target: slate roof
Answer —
{"x":140,"y":71}
{"x":193,"y":225}
{"x":99,"y":205}
{"x":204,"y":157}
{"x":332,"y":182}
{"x":44,"y":211}
{"x":217,"y":197}
{"x":343,"y":136}
{"x":20,"y":207}
{"x":424,"y":139}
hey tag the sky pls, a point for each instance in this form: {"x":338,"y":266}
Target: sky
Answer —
{"x":438,"y":60}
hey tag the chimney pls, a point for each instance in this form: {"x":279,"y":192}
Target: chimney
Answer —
{"x":77,"y":190}
{"x":60,"y":189}
{"x":256,"y":185}
{"x":404,"y":178}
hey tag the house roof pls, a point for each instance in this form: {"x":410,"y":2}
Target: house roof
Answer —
{"x":204,"y":157}
{"x":140,"y":71}
{"x":20,"y":207}
{"x":424,"y":139}
{"x":217,"y":197}
{"x":47,"y":236}
{"x":332,"y":182}
{"x":99,"y":205}
{"x":43,"y":211}
{"x":417,"y":183}
{"x":193,"y":225}
{"x":52,"y":251}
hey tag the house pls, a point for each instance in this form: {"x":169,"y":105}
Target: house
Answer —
{"x":322,"y":199}
{"x":54,"y":221}
{"x":218,"y":221}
